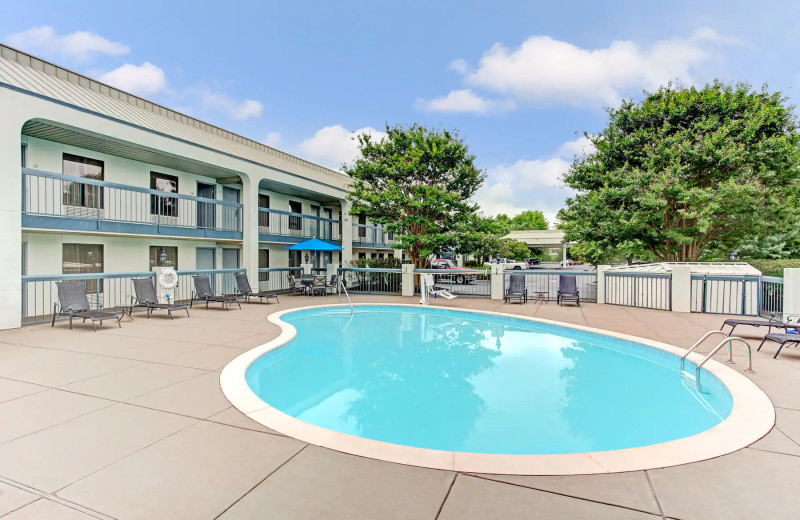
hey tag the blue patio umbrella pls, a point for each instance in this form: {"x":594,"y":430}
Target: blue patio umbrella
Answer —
{"x":314,"y":244}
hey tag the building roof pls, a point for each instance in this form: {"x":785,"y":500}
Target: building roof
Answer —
{"x":539,"y":237}
{"x":24,"y":72}
{"x":710,"y":268}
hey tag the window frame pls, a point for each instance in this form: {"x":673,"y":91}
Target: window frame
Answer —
{"x":164,"y":205}
{"x":86,"y":195}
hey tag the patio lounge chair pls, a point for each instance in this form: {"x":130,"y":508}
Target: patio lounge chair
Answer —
{"x":319,"y":285}
{"x":790,"y":321}
{"x":72,"y":302}
{"x":146,"y":297}
{"x":204,"y":293}
{"x":243,"y":286}
{"x":516,"y":289}
{"x":429,"y":289}
{"x":782,"y":339}
{"x":334,"y":283}
{"x":568,"y":290}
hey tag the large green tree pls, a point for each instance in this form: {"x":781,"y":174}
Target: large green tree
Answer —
{"x":418,"y":183}
{"x":528,"y":219}
{"x":683,"y":170}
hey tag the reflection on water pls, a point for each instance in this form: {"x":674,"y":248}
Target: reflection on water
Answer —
{"x":457,"y":381}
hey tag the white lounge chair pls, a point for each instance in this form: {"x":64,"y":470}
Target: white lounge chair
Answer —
{"x":428,"y":289}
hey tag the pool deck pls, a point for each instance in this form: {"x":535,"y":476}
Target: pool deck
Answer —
{"x":131,"y":423}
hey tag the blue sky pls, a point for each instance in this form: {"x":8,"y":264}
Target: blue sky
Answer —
{"x":521,"y":81}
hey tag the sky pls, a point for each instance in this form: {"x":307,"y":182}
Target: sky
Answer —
{"x":520,"y":81}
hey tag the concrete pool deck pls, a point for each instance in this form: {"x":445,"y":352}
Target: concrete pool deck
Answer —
{"x":131,"y":423}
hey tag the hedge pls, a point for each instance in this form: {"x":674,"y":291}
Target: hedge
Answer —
{"x":773,"y":267}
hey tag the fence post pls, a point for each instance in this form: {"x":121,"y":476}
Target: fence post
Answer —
{"x":601,"y":283}
{"x":497,"y":282}
{"x":407,"y":280}
{"x":791,"y":291}
{"x":681,"y":288}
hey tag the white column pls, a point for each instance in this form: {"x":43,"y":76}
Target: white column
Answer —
{"x":563,"y":255}
{"x":347,"y":233}
{"x":497,"y":289}
{"x":408,"y":280}
{"x":791,"y":291}
{"x":681,"y":288}
{"x":601,"y":283}
{"x":250,"y":228}
{"x":307,"y":268}
{"x":10,"y":219}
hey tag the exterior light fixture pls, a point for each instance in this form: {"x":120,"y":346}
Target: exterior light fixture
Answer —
{"x":307,"y":257}
{"x":498,"y":257}
{"x":162,"y":257}
{"x":733,"y":256}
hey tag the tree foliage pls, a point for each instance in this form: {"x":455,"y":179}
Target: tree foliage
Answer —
{"x":528,"y":219}
{"x":683,"y":170}
{"x":419,"y":184}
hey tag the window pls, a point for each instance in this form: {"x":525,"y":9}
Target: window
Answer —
{"x":380,"y":255}
{"x":170,"y":257}
{"x":263,"y":216}
{"x":294,"y":259}
{"x":362,"y":230}
{"x":263,"y":263}
{"x":83,"y":258}
{"x":295,"y":223}
{"x":362,"y":256}
{"x":24,"y":155}
{"x":374,"y":255}
{"x":79,"y":194}
{"x":163,"y":205}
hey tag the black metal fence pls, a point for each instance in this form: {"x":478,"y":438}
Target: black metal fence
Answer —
{"x":276,"y":279}
{"x":717,"y":294}
{"x":771,"y":296}
{"x":372,"y":281}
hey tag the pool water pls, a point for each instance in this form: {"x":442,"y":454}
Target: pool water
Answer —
{"x":471,"y":382}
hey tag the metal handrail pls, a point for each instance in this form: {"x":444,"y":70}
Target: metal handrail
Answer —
{"x":714,"y":351}
{"x":342,"y":285}
{"x":699,"y":341}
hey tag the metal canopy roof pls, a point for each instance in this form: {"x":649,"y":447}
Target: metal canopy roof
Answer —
{"x":710,"y":268}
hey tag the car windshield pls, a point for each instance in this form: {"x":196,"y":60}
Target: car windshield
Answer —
{"x":447,"y":263}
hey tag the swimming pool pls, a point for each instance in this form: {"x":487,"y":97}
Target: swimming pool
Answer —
{"x":447,"y":381}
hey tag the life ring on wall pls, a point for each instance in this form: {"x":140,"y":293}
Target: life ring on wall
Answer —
{"x":168,"y":279}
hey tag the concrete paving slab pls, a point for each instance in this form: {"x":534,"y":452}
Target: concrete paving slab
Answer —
{"x":788,"y":422}
{"x":55,"y":457}
{"x":196,"y":473}
{"x":210,"y":358}
{"x":12,"y":498}
{"x":199,"y":397}
{"x":475,"y":498}
{"x":360,"y":488}
{"x":132,"y":382}
{"x":74,"y":371}
{"x":16,"y":358}
{"x":14,"y":389}
{"x":777,"y":442}
{"x":233,"y":417}
{"x":47,"y":509}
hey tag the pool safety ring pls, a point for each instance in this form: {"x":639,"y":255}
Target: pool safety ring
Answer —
{"x":168,"y":279}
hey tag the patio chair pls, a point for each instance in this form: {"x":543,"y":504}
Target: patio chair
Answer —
{"x":781,"y":339}
{"x":334,"y":283}
{"x":790,"y":321}
{"x":516,"y":289}
{"x":295,"y":287}
{"x":72,"y":302}
{"x":204,"y":293}
{"x":244,"y":289}
{"x":568,"y":290}
{"x":430,"y":289}
{"x":145,"y":290}
{"x":319,"y":285}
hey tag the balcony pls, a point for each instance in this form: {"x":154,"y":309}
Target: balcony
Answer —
{"x":286,"y":227}
{"x":371,"y":236}
{"x":61,"y":202}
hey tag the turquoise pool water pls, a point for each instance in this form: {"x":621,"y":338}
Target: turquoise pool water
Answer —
{"x":458,"y":381}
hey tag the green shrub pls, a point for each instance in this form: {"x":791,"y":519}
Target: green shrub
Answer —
{"x":774,"y":267}
{"x":389,"y":262}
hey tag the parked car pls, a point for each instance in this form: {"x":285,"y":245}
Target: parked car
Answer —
{"x":532,"y":261}
{"x":507,"y":264}
{"x":454,"y":274}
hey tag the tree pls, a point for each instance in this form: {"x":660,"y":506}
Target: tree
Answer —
{"x":418,"y":183}
{"x":683,"y":170}
{"x":528,"y":219}
{"x":514,"y":249}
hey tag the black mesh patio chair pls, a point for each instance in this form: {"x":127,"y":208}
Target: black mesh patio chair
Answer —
{"x":145,"y":290}
{"x":72,"y":302}
{"x":568,"y":290}
{"x":244,"y":289}
{"x":295,"y":287}
{"x":319,"y":285}
{"x":516,"y":289}
{"x":789,"y":322}
{"x":334,"y":283}
{"x":781,"y":339}
{"x":204,"y":293}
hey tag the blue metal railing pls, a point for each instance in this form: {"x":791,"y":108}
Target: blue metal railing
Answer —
{"x":469,"y":283}
{"x":372,"y":280}
{"x":277,"y":223}
{"x":771,"y":297}
{"x":643,"y":290}
{"x":277,"y":278}
{"x":542,"y":284}
{"x":56,"y":201}
{"x":717,"y":294}
{"x":365,"y":235}
{"x":222,"y":282}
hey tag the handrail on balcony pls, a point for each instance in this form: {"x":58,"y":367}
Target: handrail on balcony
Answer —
{"x":301,"y":215}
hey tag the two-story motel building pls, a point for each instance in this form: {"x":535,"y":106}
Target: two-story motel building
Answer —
{"x":96,"y":180}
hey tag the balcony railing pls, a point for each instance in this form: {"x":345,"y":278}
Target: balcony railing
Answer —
{"x":55,"y":201}
{"x":284,"y":226}
{"x":365,"y":235}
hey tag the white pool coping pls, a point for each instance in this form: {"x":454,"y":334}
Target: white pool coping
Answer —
{"x":751,"y":418}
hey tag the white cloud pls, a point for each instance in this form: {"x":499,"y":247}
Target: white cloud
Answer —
{"x":531,"y":184}
{"x":464,"y":100}
{"x":334,"y":145}
{"x":273,"y":139}
{"x":543,"y":70}
{"x":143,"y":80}
{"x":80,"y":45}
{"x":234,"y":109}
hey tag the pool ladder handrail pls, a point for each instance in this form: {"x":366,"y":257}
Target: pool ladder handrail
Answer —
{"x":697,"y":344}
{"x":342,"y":285}
{"x":727,"y":341}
